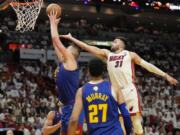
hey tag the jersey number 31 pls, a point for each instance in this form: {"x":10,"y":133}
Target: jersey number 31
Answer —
{"x":93,"y":115}
{"x":118,"y":64}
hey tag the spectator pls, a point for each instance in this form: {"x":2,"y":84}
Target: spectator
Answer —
{"x":42,"y":119}
{"x":9,"y":132}
{"x":37,"y":131}
{"x":25,"y":130}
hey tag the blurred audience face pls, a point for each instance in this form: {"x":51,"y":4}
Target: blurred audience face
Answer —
{"x":9,"y":132}
{"x":42,"y":115}
{"x":178,"y":133}
{"x":170,"y":133}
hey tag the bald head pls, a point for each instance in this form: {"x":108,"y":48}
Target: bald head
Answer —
{"x":9,"y":132}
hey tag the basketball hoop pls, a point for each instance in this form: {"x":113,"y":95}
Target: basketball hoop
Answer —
{"x":27,"y":13}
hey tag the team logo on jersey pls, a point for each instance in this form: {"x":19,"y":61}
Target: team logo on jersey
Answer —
{"x":131,"y":109}
{"x":95,"y":88}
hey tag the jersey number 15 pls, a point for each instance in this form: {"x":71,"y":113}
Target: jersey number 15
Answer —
{"x":93,"y":115}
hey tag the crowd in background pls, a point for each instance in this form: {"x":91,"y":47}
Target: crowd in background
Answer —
{"x":27,"y":91}
{"x":40,"y":37}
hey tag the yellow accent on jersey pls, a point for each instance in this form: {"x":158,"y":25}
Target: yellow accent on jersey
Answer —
{"x":94,"y":112}
{"x":55,"y":72}
{"x":95,"y":96}
{"x":93,"y":118}
{"x":103,"y":107}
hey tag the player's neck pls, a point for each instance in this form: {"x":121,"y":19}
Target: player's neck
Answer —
{"x":119,"y":50}
{"x":96,"y":79}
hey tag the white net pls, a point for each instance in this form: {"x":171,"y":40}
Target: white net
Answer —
{"x":27,"y":13}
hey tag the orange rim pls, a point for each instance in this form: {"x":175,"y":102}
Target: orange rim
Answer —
{"x":24,"y":4}
{"x":5,"y":7}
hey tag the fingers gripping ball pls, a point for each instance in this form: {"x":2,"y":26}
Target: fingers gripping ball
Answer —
{"x":55,"y":7}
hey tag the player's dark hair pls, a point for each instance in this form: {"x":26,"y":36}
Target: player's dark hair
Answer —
{"x":96,"y":67}
{"x":77,"y":49}
{"x":123,"y":39}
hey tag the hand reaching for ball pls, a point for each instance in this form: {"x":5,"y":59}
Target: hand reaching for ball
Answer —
{"x":52,"y":17}
{"x":54,"y":12}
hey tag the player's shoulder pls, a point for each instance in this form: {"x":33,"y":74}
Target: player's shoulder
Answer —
{"x":106,"y":52}
{"x":132,"y":54}
{"x":84,"y":86}
{"x":126,"y":52}
{"x":107,"y":82}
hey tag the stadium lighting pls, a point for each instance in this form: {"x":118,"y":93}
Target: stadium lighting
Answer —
{"x":147,"y":4}
{"x":85,"y":2}
{"x":174,"y":7}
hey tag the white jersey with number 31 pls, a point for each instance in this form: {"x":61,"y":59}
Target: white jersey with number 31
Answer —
{"x":121,"y":68}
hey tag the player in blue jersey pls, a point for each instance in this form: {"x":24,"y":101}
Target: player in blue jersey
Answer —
{"x":52,"y":124}
{"x":67,"y":75}
{"x":100,"y":104}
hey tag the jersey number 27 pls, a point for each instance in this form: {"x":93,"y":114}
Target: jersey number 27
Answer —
{"x":93,"y":115}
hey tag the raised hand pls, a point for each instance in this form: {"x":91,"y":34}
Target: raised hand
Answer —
{"x":52,"y":17}
{"x":171,"y":80}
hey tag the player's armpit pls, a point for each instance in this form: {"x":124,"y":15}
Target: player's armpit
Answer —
{"x":49,"y":128}
{"x":75,"y":113}
{"x":61,"y":49}
{"x":58,"y":53}
{"x":135,"y":58}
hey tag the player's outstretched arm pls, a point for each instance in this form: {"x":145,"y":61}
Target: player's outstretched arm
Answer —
{"x":151,"y":68}
{"x":101,"y":53}
{"x":75,"y":113}
{"x":58,"y":46}
{"x":49,"y":128}
{"x":122,"y":107}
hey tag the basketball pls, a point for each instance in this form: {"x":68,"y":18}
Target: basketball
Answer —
{"x":55,"y":7}
{"x":4,"y":4}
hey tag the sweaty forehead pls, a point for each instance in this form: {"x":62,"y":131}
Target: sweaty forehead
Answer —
{"x":117,"y":40}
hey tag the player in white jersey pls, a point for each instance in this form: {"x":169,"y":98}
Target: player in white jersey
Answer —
{"x":120,"y":64}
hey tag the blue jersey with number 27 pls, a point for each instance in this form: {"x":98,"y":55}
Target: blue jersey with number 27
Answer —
{"x":101,"y":109}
